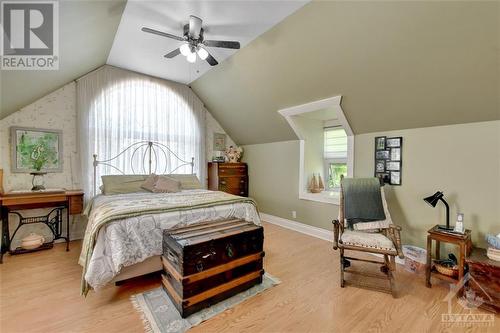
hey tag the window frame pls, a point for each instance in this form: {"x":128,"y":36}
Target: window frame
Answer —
{"x":331,"y":197}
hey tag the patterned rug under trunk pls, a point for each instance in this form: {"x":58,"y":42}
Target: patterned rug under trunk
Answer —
{"x":160,"y":316}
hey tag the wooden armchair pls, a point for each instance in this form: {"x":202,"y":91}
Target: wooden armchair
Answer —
{"x":384,"y":241}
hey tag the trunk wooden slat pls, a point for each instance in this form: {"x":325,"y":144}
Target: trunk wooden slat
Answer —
{"x":208,"y":263}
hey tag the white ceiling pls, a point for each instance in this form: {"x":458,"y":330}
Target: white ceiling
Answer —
{"x":222,"y":20}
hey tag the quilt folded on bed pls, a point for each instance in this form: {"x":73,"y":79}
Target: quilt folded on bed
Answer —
{"x":117,"y":208}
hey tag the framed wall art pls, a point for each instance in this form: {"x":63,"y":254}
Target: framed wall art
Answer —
{"x":388,"y":159}
{"x":219,"y":141}
{"x":36,"y":149}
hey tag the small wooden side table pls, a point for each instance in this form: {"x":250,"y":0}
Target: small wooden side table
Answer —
{"x":463,"y":241}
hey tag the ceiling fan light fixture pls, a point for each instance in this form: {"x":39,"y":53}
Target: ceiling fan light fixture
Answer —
{"x":191,"y":57}
{"x":185,"y":49}
{"x":202,"y":53}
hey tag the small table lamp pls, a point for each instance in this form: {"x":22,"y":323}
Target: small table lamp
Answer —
{"x":433,"y":200}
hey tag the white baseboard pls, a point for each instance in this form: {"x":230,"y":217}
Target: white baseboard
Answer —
{"x":299,"y":227}
{"x":308,"y":230}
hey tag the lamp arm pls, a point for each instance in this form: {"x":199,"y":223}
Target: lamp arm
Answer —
{"x":447,"y":212}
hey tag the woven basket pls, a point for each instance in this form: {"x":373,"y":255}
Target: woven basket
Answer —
{"x":448,"y":271}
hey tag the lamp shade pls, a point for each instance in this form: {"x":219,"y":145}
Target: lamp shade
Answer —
{"x":433,"y":199}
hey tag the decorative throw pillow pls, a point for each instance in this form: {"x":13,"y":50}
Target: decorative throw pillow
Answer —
{"x":165,"y":184}
{"x":120,"y":184}
{"x":188,"y":181}
{"x":149,"y":183}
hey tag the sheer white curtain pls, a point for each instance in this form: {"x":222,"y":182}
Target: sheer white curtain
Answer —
{"x":117,"y":108}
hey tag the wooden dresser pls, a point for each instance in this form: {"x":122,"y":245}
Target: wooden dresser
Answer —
{"x":228,"y":177}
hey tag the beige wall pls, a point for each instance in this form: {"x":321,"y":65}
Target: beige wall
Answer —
{"x":274,"y":181}
{"x":461,"y":160}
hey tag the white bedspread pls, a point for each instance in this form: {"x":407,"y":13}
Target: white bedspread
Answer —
{"x":132,"y":240}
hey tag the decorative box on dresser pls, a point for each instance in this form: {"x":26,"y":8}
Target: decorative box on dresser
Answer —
{"x":228,"y":177}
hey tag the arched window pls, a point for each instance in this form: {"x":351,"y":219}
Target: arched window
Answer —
{"x":119,"y":108}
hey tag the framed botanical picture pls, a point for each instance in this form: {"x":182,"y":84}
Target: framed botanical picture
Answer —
{"x":219,"y":141}
{"x":396,"y":154}
{"x":392,"y":166}
{"x":395,"y":178}
{"x":36,"y":149}
{"x":380,"y":143}
{"x":393,"y":142}
{"x":382,"y":154}
{"x":379,"y":166}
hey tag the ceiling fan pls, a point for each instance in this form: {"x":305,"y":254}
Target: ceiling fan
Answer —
{"x":194,"y":42}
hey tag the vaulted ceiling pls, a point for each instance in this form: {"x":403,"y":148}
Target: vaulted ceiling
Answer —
{"x":87,"y":30}
{"x":397,"y":65}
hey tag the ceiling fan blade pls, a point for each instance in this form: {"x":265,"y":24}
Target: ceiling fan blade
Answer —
{"x":172,"y":54}
{"x":222,"y":43}
{"x":160,"y":33}
{"x":211,"y":60}
{"x":194,"y":26}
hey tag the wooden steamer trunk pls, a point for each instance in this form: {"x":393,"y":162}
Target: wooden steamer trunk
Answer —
{"x":207,"y":263}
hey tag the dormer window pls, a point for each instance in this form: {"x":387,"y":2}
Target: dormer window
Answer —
{"x":335,"y":156}
{"x":326,"y":147}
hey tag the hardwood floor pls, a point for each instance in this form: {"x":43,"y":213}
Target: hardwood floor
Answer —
{"x":40,"y":293}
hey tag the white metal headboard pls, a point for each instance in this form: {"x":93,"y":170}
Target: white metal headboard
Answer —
{"x":149,"y":160}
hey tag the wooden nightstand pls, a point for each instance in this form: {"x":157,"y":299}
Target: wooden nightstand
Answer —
{"x":463,"y":241}
{"x":11,"y":203}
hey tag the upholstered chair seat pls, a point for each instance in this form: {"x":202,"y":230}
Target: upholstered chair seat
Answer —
{"x":368,"y":240}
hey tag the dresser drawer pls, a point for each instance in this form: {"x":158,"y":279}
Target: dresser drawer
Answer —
{"x":75,"y":204}
{"x":237,"y":170}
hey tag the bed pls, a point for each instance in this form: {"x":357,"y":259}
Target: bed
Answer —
{"x":124,"y":231}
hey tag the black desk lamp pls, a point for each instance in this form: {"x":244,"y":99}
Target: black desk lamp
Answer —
{"x":433,"y":200}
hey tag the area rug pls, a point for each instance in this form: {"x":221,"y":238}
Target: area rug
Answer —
{"x":160,"y":316}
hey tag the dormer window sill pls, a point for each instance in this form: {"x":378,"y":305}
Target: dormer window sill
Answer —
{"x":329,"y":197}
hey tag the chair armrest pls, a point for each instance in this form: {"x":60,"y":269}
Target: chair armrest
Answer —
{"x":338,"y":228}
{"x":395,"y":235}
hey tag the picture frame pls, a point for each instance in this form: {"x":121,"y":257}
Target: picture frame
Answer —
{"x":388,"y":159}
{"x":393,"y":142}
{"x":380,"y":143}
{"x":379,"y":166}
{"x":36,"y":150}
{"x":382,"y":154}
{"x":393,"y":166}
{"x":395,"y":154}
{"x":219,"y":141}
{"x":395,"y":178}
{"x":386,"y":177}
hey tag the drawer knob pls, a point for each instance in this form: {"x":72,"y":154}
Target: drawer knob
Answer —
{"x":242,"y":192}
{"x":223,"y":182}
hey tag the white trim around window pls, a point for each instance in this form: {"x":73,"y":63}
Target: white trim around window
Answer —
{"x":331,"y":197}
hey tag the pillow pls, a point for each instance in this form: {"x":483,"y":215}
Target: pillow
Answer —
{"x":165,"y":184}
{"x":120,"y":184}
{"x":188,"y":181}
{"x":149,"y":183}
